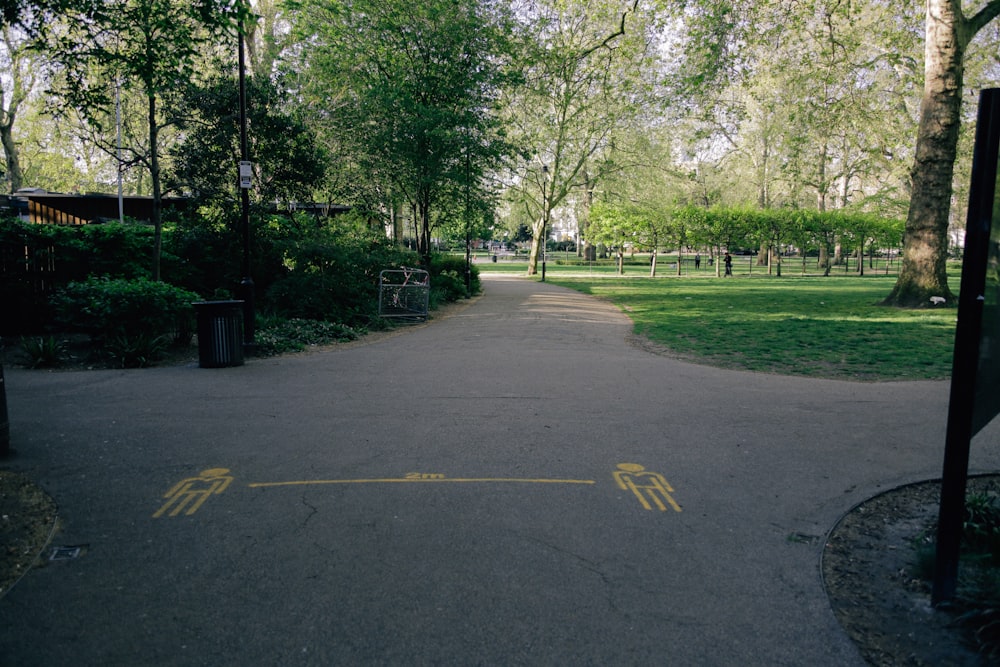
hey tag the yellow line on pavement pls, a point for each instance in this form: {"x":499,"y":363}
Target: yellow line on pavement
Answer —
{"x":424,"y":480}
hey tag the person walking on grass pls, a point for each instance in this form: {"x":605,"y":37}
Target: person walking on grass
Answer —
{"x":729,"y":264}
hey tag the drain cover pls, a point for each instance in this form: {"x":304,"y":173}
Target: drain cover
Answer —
{"x":66,"y":553}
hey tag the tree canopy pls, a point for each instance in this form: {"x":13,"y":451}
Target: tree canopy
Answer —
{"x":150,"y":46}
{"x":434,"y":117}
{"x":409,"y":91}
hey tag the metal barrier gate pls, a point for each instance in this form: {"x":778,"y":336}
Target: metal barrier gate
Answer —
{"x":404,"y":293}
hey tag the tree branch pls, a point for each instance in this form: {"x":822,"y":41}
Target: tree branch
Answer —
{"x":979,"y":21}
{"x":618,"y":33}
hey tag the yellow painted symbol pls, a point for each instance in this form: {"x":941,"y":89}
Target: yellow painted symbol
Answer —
{"x":191,"y":493}
{"x":648,"y":487}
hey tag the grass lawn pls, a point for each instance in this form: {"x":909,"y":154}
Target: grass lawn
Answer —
{"x":821,"y":327}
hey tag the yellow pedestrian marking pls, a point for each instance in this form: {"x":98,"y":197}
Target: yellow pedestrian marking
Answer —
{"x":651,"y":489}
{"x":424,"y":478}
{"x":647,"y":486}
{"x":191,"y":493}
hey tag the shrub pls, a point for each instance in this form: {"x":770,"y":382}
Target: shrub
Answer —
{"x":310,"y":295}
{"x":448,"y":279}
{"x":47,"y":352}
{"x":447,"y":286}
{"x":981,"y":528}
{"x":136,"y":350}
{"x":276,"y":335}
{"x":115,"y":249}
{"x":333,"y":276}
{"x":109,"y":308}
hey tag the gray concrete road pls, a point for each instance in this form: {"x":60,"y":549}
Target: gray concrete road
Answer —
{"x":514,"y":484}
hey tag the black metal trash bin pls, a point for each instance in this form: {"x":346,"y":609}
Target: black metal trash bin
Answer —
{"x":220,"y":333}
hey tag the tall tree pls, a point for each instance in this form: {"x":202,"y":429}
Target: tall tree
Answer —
{"x":16,"y":84}
{"x":289,"y":163}
{"x":588,"y":78}
{"x":925,"y":244}
{"x":811,"y":109}
{"x":720,"y":31}
{"x":152,"y":46}
{"x":32,"y":15}
{"x":267,"y":38}
{"x":410,"y":91}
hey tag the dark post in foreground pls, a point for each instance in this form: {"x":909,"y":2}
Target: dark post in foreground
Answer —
{"x":975,"y":396}
{"x":4,"y":421}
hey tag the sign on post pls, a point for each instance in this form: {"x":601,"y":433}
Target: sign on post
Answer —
{"x":246,"y":174}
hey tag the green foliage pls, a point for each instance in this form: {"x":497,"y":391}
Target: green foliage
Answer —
{"x":43,"y":351}
{"x":325,"y":270}
{"x":110,"y":308}
{"x":276,"y":335}
{"x":201,"y":255}
{"x":445,"y":287}
{"x":981,"y":529}
{"x":646,"y":228}
{"x":643,"y":227}
{"x":809,"y":229}
{"x":333,"y":276}
{"x":39,"y":259}
{"x":154,"y":48}
{"x":448,"y":279}
{"x":289,"y":161}
{"x":417,"y":92}
{"x":108,"y":249}
{"x":136,"y":350}
{"x":114,"y":249}
{"x":157,"y":45}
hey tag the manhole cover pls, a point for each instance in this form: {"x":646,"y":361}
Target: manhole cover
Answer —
{"x":66,"y":553}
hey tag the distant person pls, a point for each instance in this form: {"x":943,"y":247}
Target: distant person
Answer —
{"x":697,"y":261}
{"x":729,"y":264}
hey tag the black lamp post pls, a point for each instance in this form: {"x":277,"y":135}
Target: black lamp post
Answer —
{"x":545,"y":217}
{"x":246,"y":284}
{"x":468,"y":231}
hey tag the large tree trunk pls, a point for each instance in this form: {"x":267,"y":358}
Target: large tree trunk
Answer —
{"x":14,"y":173}
{"x":925,"y":244}
{"x":425,"y":231}
{"x":537,"y":247}
{"x":20,"y":83}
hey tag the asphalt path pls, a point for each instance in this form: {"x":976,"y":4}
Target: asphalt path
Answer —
{"x":517,"y":483}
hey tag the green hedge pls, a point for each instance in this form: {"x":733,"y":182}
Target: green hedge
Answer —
{"x":302,"y":267}
{"x":108,"y":308}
